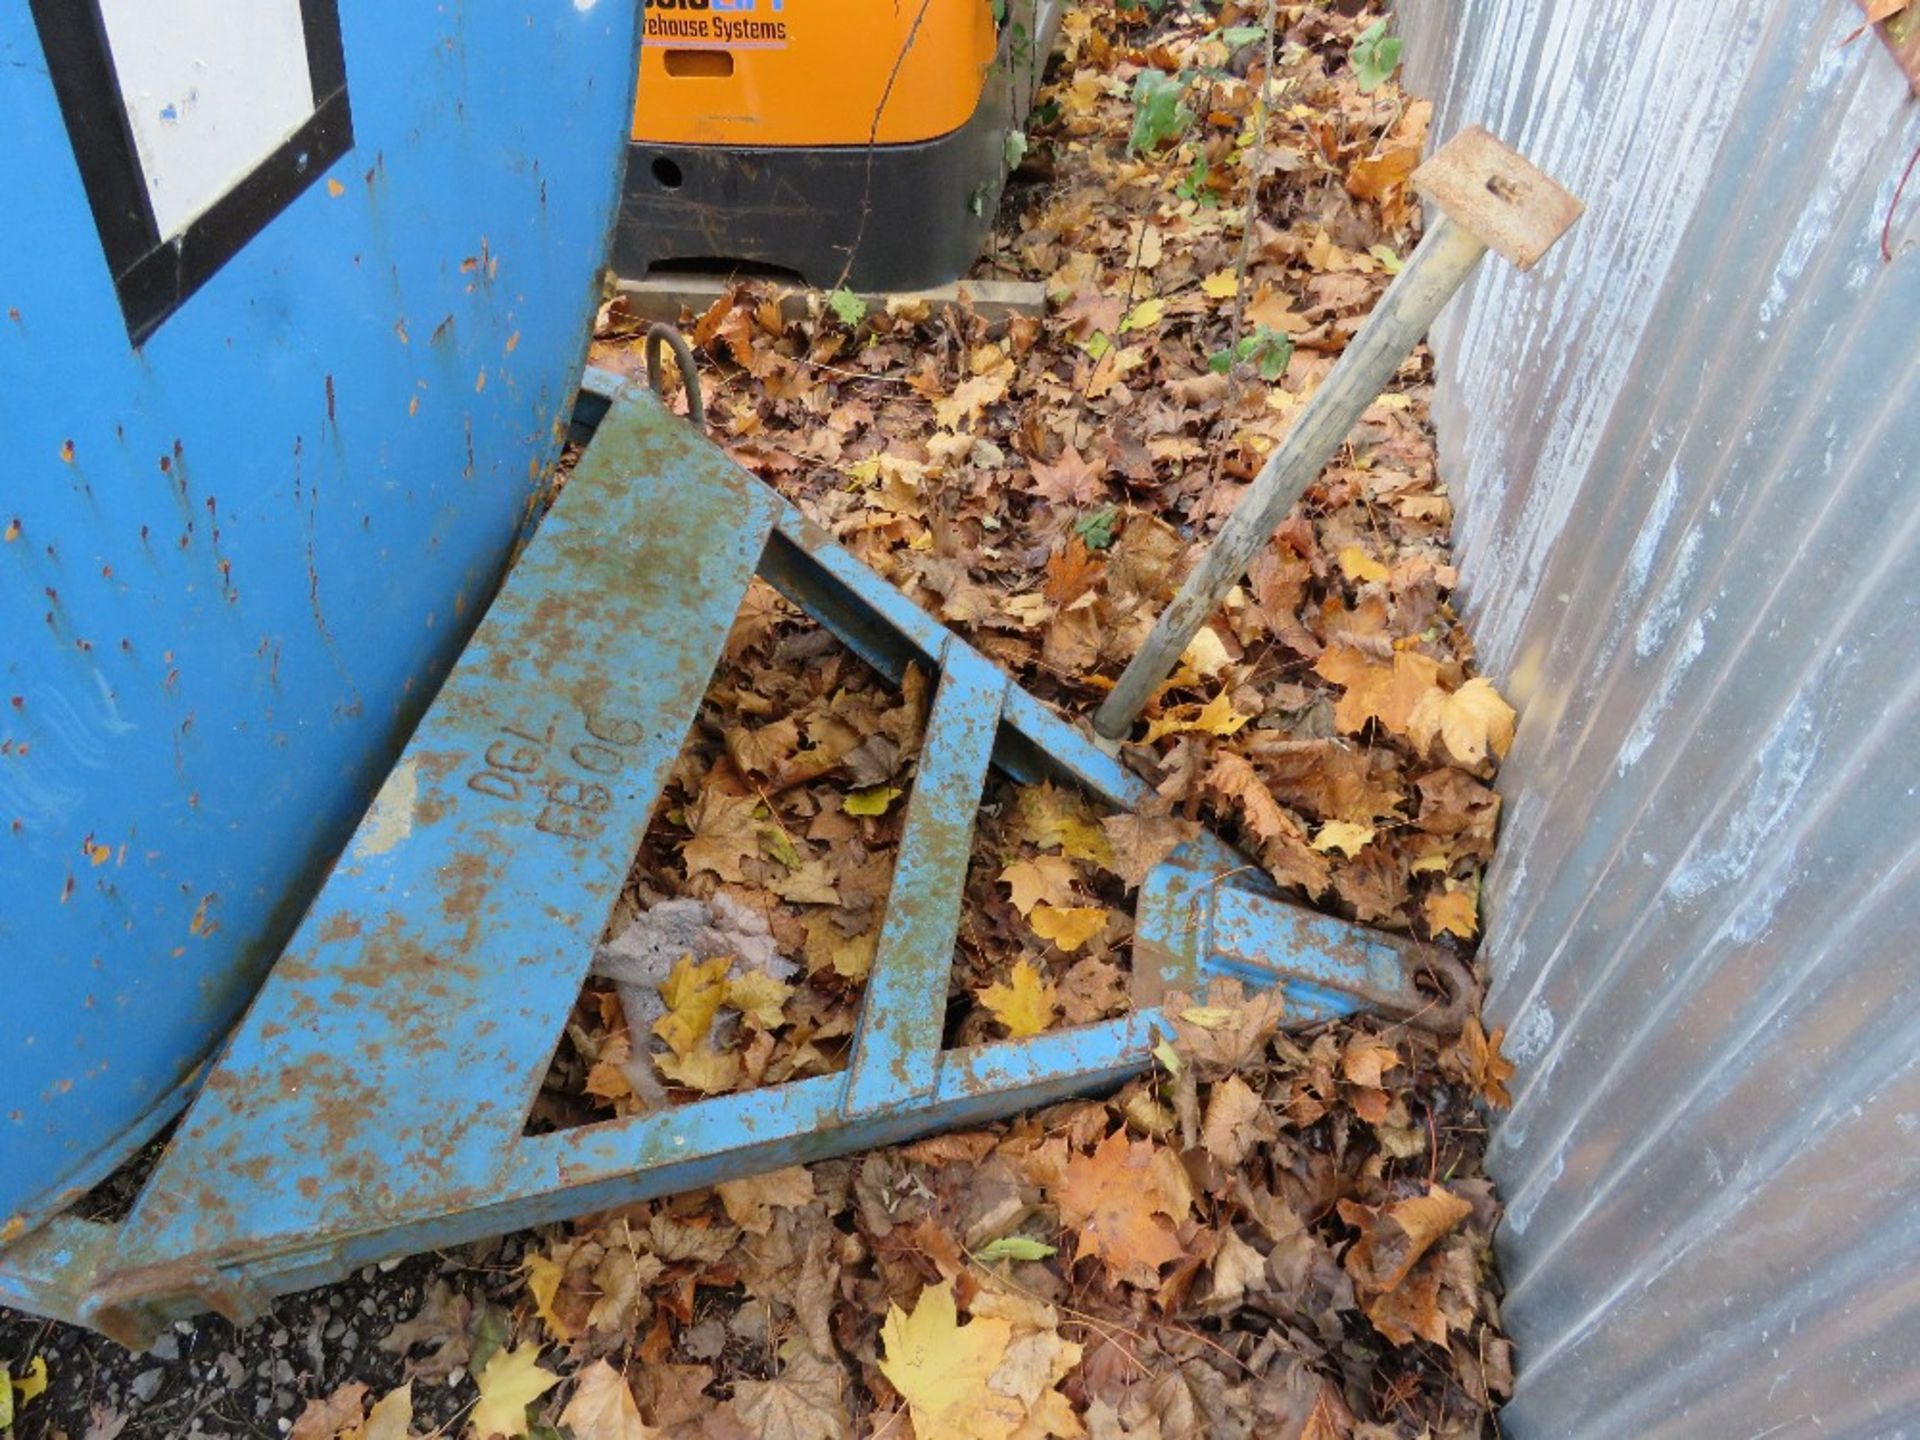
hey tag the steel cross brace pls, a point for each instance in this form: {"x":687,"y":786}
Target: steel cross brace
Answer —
{"x":373,"y":1101}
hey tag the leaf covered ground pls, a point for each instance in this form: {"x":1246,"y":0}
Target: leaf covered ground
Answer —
{"x":1282,"y":1231}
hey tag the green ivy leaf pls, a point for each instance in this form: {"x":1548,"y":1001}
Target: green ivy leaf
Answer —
{"x":1276,"y":353}
{"x":1096,"y":530}
{"x":1160,"y":113}
{"x":1238,"y":35}
{"x":1375,"y":56}
{"x":847,"y":306}
{"x":1197,"y":185}
{"x":1271,"y":351}
{"x":485,"y":1335}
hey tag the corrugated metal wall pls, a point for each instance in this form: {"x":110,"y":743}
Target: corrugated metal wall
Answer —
{"x":1683,"y":454}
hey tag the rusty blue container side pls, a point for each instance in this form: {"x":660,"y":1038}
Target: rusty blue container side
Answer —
{"x":240,"y":555}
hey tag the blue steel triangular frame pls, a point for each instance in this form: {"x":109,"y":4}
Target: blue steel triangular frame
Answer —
{"x":373,"y":1101}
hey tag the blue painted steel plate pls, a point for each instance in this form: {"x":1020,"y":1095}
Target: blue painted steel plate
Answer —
{"x":293,"y":301}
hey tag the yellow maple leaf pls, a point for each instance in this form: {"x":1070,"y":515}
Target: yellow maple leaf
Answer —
{"x":390,"y":1419}
{"x":544,"y":1277}
{"x":1368,"y":685}
{"x":1329,"y":1419}
{"x":1360,"y":567}
{"x":1472,"y":720}
{"x":510,"y":1381}
{"x":1216,"y":717}
{"x":29,"y":1386}
{"x":1206,"y":654}
{"x":1147,"y":241}
{"x":1342,"y":835}
{"x":1144,"y":316}
{"x":1281,"y":835}
{"x":693,"y":993}
{"x":766,"y":750}
{"x":325,"y":1417}
{"x":760,"y":998}
{"x":701,"y":1068}
{"x":941,"y":1368}
{"x":1221,"y":285}
{"x":1068,"y":926}
{"x":603,"y":1408}
{"x":830,"y":948}
{"x":1412,"y":1308}
{"x":1454,"y":911}
{"x":1026,"y":1007}
{"x":1045,"y":878}
{"x":1055,"y":819}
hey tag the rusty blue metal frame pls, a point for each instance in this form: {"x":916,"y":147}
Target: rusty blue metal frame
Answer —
{"x":373,"y":1101}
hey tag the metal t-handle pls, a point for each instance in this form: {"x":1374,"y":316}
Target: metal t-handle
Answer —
{"x":1489,"y":198}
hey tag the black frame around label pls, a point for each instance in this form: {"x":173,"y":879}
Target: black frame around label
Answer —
{"x":153,"y":276}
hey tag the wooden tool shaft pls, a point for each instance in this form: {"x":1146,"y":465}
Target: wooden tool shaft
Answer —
{"x":1438,"y":267}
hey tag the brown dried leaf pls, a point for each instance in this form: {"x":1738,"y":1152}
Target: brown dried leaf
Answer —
{"x":750,"y":1203}
{"x":724,"y":834}
{"x":1119,"y":1204}
{"x":1486,"y":1068}
{"x":1045,"y":879}
{"x":603,"y":1408}
{"x":1392,"y":1242}
{"x":1229,"y":1131}
{"x":807,"y":1401}
{"x":323,"y":1419}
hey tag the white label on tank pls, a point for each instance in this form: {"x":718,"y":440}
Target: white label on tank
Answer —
{"x":212,"y":88}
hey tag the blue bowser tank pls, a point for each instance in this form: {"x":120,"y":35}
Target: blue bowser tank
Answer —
{"x":294,"y":298}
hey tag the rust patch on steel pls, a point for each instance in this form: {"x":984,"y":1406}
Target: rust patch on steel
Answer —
{"x":338,"y":928}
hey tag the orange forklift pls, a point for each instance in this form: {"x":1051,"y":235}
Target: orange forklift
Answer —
{"x":857,"y":143}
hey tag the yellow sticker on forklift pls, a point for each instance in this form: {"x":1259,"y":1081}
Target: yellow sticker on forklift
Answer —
{"x":717,"y":24}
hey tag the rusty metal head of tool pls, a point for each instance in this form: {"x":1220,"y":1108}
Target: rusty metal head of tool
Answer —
{"x":1513,"y":207}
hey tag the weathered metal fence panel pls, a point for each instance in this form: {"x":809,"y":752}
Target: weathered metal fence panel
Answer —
{"x":1683,"y":455}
